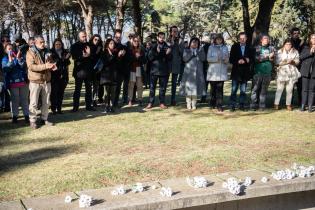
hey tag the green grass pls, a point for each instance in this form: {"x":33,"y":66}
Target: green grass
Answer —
{"x":93,"y":150}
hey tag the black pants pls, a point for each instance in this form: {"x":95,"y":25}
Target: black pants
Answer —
{"x":216,"y":93}
{"x":162,"y":83}
{"x":110,"y":95}
{"x":101,"y":93}
{"x":308,"y":91}
{"x":96,"y":85}
{"x":299,"y":91}
{"x":77,"y":93}
{"x":57,"y":92}
{"x":174,"y":86}
{"x":122,"y":80}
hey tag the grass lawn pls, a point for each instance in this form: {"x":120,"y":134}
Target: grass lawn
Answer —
{"x":93,"y":150}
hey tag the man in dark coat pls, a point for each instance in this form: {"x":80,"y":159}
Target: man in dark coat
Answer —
{"x":307,"y":58}
{"x":80,"y":52}
{"x":160,"y":57}
{"x":241,"y":57}
{"x":298,"y":45}
{"x":123,"y":68}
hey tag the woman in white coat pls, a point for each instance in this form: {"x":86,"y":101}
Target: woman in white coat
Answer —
{"x":287,"y":73}
{"x":218,"y":58}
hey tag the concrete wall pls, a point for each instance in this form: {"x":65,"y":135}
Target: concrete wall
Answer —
{"x":291,"y":201}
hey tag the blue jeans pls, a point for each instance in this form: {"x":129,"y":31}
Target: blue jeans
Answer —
{"x":235,"y":85}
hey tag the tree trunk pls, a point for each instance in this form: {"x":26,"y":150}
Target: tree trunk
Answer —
{"x":137,"y":16}
{"x":263,"y":19}
{"x":262,"y":22}
{"x":120,"y":14}
{"x":246,"y":20}
{"x":87,"y":14}
{"x":36,"y":27}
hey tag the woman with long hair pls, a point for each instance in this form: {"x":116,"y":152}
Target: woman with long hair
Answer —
{"x":60,"y":77}
{"x":137,"y":62}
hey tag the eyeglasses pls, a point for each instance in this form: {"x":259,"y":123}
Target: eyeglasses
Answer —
{"x":42,"y":42}
{"x":96,"y":39}
{"x":6,"y":40}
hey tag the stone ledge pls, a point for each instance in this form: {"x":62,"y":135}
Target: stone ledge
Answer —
{"x":185,"y":196}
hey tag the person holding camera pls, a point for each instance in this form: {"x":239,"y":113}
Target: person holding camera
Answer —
{"x":160,"y":57}
{"x":13,"y":65}
{"x":39,"y":66}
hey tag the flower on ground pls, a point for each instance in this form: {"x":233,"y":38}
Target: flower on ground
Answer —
{"x":166,"y":192}
{"x":233,"y":186}
{"x":138,"y":188}
{"x":197,"y":182}
{"x":119,"y":191}
{"x":85,"y":201}
{"x":68,"y":199}
{"x":248,"y":181}
{"x":264,"y":179}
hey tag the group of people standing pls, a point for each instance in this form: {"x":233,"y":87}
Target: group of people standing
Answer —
{"x":36,"y":77}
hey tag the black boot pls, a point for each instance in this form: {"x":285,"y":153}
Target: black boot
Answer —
{"x":14,"y":120}
{"x":302,"y":109}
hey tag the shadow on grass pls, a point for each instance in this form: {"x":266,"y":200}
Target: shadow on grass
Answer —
{"x":23,"y":159}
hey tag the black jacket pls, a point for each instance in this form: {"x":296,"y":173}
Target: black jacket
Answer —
{"x":81,"y":64}
{"x":307,"y":62}
{"x":109,"y":73}
{"x":241,"y":72}
{"x":62,"y":66}
{"x":123,"y":66}
{"x":160,"y":62}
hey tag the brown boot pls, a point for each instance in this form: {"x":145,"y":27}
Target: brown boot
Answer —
{"x":276,"y":107}
{"x":289,"y":107}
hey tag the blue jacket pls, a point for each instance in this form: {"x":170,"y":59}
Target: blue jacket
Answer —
{"x":14,"y":72}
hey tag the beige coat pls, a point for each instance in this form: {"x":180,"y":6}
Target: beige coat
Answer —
{"x":37,"y":69}
{"x":287,"y":72}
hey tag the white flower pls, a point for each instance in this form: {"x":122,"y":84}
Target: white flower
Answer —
{"x":166,"y":192}
{"x":284,"y":174}
{"x":85,"y":201}
{"x":197,"y":182}
{"x":264,"y":179}
{"x":68,"y":199}
{"x":138,"y":188}
{"x":233,"y":186}
{"x":225,"y":185}
{"x":119,"y":191}
{"x":294,"y":166}
{"x":248,"y":181}
{"x":114,"y":192}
